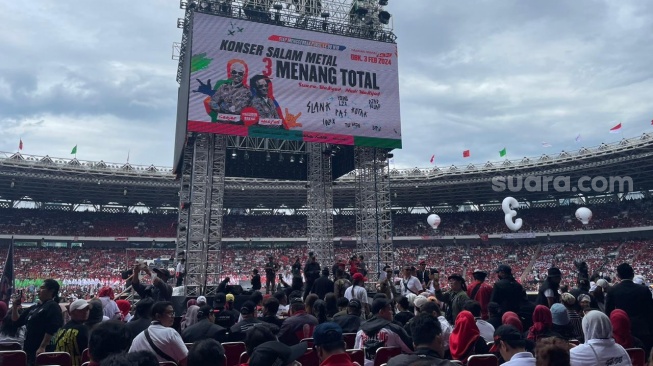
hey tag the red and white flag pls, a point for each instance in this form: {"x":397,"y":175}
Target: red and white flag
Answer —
{"x":466,"y":154}
{"x":616,"y":129}
{"x":20,"y":144}
{"x":432,"y":158}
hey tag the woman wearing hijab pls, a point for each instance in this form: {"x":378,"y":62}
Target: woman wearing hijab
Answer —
{"x":190,"y":317}
{"x":510,"y":318}
{"x":599,"y":347}
{"x":465,"y":340}
{"x":542,"y":324}
{"x":109,"y":307}
{"x":124,"y":307}
{"x":621,"y":330}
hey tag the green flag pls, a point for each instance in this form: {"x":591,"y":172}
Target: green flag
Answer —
{"x":74,"y":150}
{"x":502,"y":153}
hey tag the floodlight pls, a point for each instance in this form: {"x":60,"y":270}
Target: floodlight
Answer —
{"x":246,"y":156}
{"x":292,"y":158}
{"x":280,"y":157}
{"x":267,"y":156}
{"x":384,"y":17}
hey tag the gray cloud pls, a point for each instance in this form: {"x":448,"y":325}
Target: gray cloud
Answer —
{"x":479,"y":75}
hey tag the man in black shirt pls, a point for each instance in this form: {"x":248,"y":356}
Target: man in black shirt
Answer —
{"x":159,"y":290}
{"x":270,"y":309}
{"x":142,"y":319}
{"x":350,"y":322}
{"x":311,"y":272}
{"x":256,"y":280}
{"x":322,"y":285}
{"x":507,"y":292}
{"x":204,"y":328}
{"x":427,"y":339}
{"x":270,"y":273}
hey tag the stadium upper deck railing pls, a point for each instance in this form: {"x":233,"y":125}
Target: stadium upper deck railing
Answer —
{"x":614,"y":150}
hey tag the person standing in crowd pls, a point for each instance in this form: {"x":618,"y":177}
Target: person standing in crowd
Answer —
{"x":601,"y":287}
{"x":466,"y":340}
{"x":124,"y":306}
{"x":296,"y":268}
{"x":480,"y":291}
{"x":507,"y":292}
{"x":204,"y":328}
{"x":330,"y":346}
{"x":322,"y":285}
{"x":142,"y":318}
{"x":428,"y":343}
{"x":159,"y":290}
{"x":109,"y":306}
{"x":511,"y":345}
{"x":422,"y":274}
{"x":271,"y":268}
{"x":180,"y":272}
{"x":636,"y":301}
{"x":256,"y":280}
{"x":160,"y":338}
{"x":299,"y":325}
{"x":381,"y":331}
{"x":410,"y":284}
{"x":311,"y":272}
{"x":341,"y":284}
{"x":362,"y":267}
{"x":385,"y":285}
{"x":351,"y":321}
{"x":454,"y":298}
{"x":357,"y":291}
{"x":73,"y":336}
{"x":548,"y":293}
{"x":599,"y":347}
{"x":43,"y":319}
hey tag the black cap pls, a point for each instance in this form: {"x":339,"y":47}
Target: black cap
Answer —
{"x":504,"y":268}
{"x":275,"y":353}
{"x":248,"y":307}
{"x":379,"y":304}
{"x":162,"y":272}
{"x":505,"y":333}
{"x":355,"y":303}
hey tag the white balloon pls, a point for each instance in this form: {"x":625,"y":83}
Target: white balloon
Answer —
{"x":507,"y":205}
{"x":433,"y":220}
{"x":584,"y":215}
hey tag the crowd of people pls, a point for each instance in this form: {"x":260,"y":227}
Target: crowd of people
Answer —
{"x":333,"y":316}
{"x":83,"y":271}
{"x":625,"y":214}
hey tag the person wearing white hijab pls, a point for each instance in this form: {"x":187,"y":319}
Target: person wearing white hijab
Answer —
{"x":599,"y":347}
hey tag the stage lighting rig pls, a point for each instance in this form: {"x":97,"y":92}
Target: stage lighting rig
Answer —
{"x":384,"y":17}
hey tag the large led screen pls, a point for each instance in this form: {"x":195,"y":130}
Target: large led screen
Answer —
{"x":262,"y":80}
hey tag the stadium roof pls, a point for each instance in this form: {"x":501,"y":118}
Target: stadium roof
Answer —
{"x":56,"y":180}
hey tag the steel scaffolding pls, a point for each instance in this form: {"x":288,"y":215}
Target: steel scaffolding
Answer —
{"x":320,"y":203}
{"x":202,"y":204}
{"x":373,"y":214}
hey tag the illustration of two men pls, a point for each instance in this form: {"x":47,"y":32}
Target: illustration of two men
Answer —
{"x":227,"y":98}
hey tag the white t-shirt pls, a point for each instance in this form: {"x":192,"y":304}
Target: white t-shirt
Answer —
{"x":410,"y":284}
{"x":446,"y":331}
{"x":486,"y":329}
{"x":359,"y":293}
{"x":521,"y":359}
{"x":599,"y":352}
{"x":166,"y":339}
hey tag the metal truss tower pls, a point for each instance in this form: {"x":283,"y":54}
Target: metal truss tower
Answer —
{"x":373,"y":214}
{"x":320,"y":203}
{"x":201,"y":211}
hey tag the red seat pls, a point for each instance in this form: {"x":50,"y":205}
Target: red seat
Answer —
{"x":356,"y":355}
{"x":309,"y":358}
{"x":232,"y":351}
{"x":244,"y":358}
{"x":54,"y":358}
{"x":14,"y":358}
{"x":637,"y":356}
{"x":350,"y":339}
{"x":10,"y":346}
{"x":384,"y":354}
{"x":85,"y":356}
{"x":483,"y":360}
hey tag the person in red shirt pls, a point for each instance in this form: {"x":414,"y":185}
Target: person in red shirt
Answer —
{"x":480,"y":291}
{"x":330,"y":346}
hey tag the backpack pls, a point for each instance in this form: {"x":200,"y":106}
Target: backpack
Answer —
{"x":373,"y":343}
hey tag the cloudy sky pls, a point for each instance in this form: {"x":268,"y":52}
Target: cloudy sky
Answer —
{"x":477,"y":75}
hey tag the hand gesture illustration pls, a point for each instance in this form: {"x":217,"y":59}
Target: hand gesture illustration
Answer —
{"x":291,"y":119}
{"x":205,"y":88}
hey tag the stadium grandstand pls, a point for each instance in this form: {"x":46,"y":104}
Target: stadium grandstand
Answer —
{"x":88,"y":221}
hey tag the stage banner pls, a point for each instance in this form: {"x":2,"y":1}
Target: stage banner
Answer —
{"x":263,"y":80}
